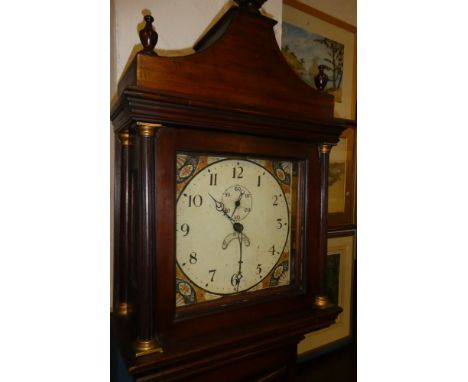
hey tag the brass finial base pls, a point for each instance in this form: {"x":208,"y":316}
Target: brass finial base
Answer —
{"x":146,"y":347}
{"x":322,"y":302}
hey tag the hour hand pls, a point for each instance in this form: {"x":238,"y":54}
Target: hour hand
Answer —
{"x":219,"y":205}
{"x":220,"y":208}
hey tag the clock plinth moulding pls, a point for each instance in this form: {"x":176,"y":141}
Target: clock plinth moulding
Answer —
{"x":221,"y":207}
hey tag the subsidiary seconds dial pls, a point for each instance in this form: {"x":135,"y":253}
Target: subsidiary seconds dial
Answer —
{"x":233,"y":224}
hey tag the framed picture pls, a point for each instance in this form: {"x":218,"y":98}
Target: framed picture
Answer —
{"x":311,"y":38}
{"x":342,"y":181}
{"x":340,"y":281}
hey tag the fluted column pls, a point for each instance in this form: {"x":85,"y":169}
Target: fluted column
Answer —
{"x":145,"y":342}
{"x":321,"y":299}
{"x":124,"y":307}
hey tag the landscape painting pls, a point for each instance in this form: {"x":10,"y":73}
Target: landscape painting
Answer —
{"x":337,"y":177}
{"x":305,"y":51}
{"x":333,"y":277}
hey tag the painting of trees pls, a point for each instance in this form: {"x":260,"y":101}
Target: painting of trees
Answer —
{"x":305,"y":51}
{"x":296,"y":63}
{"x":335,"y":61}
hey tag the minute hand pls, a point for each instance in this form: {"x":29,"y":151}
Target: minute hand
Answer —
{"x":237,"y":203}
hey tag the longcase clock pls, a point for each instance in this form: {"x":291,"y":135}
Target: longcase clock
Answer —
{"x":221,"y":207}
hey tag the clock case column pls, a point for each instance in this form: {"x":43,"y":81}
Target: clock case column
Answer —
{"x":322,"y":301}
{"x":146,"y":342}
{"x":122,"y":223}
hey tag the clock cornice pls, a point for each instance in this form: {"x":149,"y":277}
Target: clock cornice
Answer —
{"x":237,"y":66}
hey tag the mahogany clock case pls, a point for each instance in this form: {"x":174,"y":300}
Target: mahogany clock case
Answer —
{"x":236,"y":97}
{"x":220,"y":314}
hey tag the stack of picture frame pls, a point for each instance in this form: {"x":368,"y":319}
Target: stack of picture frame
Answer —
{"x":311,"y":38}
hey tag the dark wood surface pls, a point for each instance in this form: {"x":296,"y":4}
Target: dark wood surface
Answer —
{"x":146,"y":241}
{"x":323,"y":220}
{"x":220,"y":352}
{"x":125,"y":223}
{"x":117,"y":204}
{"x":338,"y":365}
{"x":169,"y":141}
{"x":235,"y":96}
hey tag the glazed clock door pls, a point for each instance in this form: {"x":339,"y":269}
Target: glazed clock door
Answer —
{"x":235,"y":214}
{"x":233,"y":225}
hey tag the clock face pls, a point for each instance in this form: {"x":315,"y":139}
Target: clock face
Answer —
{"x":233,"y":226}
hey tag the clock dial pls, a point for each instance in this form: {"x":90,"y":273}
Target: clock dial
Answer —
{"x":233,"y":227}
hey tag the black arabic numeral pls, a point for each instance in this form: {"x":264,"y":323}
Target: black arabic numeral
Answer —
{"x":259,"y":268}
{"x":237,"y":172}
{"x":185,"y":228}
{"x":272,"y":250}
{"x":280,"y":225}
{"x":275,"y":200}
{"x":259,"y":181}
{"x":196,"y":200}
{"x":212,"y":271}
{"x":235,"y":279}
{"x":193,"y":258}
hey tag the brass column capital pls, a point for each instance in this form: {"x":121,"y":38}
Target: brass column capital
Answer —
{"x":126,"y":139}
{"x":325,"y":148}
{"x":147,"y":129}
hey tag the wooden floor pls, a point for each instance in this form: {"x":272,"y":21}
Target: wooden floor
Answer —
{"x":336,"y":366}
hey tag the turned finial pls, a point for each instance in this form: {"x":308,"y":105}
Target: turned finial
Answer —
{"x":251,"y":5}
{"x":148,"y":36}
{"x":321,"y":78}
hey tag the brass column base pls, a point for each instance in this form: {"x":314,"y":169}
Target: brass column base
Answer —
{"x":146,"y":347}
{"x":322,"y":302}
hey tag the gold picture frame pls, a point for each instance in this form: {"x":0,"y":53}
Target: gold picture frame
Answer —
{"x":312,"y":23}
{"x":342,"y":248}
{"x":342,"y":181}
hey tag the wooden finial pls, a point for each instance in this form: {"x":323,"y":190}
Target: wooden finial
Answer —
{"x":321,"y":78}
{"x":250,"y":5}
{"x":148,"y":36}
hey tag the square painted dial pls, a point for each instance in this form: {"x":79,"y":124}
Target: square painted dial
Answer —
{"x":233,"y":226}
